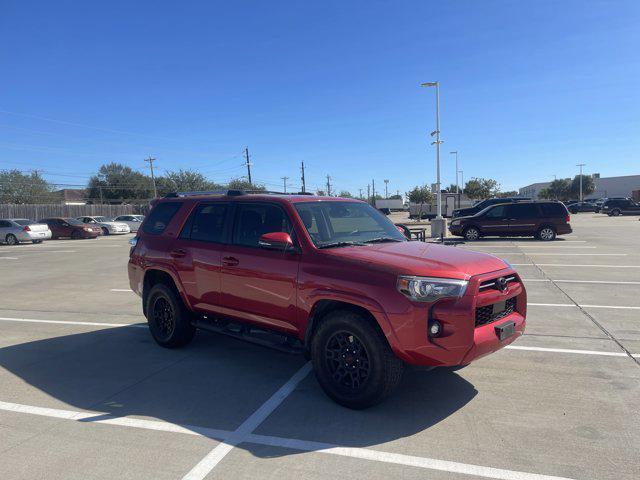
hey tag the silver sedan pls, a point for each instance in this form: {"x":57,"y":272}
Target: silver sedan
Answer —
{"x":17,"y":230}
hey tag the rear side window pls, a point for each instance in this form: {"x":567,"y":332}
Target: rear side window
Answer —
{"x":160,"y":217}
{"x":523,"y":210}
{"x":553,"y":210}
{"x":4,"y":224}
{"x":207,"y":223}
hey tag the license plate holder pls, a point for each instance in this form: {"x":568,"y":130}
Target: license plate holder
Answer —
{"x":505,"y":330}
{"x":499,"y":307}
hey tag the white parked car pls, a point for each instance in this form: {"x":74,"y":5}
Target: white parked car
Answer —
{"x":17,"y":230}
{"x":108,"y":226}
{"x":134,"y":221}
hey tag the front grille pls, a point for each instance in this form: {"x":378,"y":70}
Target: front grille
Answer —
{"x":493,"y":283}
{"x":486,"y":314}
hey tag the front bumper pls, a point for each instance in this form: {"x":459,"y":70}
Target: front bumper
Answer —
{"x":461,"y":341}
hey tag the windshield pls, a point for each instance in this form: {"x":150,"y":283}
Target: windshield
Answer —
{"x":23,"y":222}
{"x":73,"y":221}
{"x":333,"y":224}
{"x":102,"y":219}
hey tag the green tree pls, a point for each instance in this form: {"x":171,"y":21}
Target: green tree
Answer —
{"x":395,"y":197}
{"x":588,"y":186}
{"x":16,"y":187}
{"x":559,"y":189}
{"x":420,"y":196}
{"x":241,"y":184}
{"x":116,"y":182}
{"x":510,"y":193}
{"x":321,"y":193}
{"x":481,"y":188}
{"x":452,"y":188}
{"x":185,"y":181}
{"x":345,"y":194}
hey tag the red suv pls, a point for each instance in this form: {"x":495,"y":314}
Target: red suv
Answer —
{"x":330,"y":277}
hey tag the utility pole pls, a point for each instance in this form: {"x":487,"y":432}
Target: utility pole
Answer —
{"x":398,"y":192}
{"x":328,"y":185}
{"x":248,"y":164}
{"x":368,"y":193}
{"x":386,"y":191}
{"x":581,"y":165}
{"x":373,"y":190}
{"x":153,"y":179}
{"x":360,"y":195}
{"x":304,"y":185}
{"x":284,"y":180}
{"x":462,"y":180}
{"x":457,"y":187}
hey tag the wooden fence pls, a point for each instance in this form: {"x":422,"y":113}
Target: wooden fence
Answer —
{"x":37,"y":211}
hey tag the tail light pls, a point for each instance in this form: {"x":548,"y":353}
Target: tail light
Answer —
{"x":26,"y":228}
{"x":568,"y":219}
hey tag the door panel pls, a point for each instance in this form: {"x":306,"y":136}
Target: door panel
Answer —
{"x":495,"y":221}
{"x":258,"y":284}
{"x":523,"y":218}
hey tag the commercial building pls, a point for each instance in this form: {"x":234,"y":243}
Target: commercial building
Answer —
{"x":623,"y":186}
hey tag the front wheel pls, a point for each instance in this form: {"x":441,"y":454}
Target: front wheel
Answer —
{"x":37,"y":241}
{"x":353,"y":361}
{"x":75,"y":235}
{"x":546,"y":234}
{"x":168,"y":318}
{"x":615,"y":212}
{"x":471,"y":234}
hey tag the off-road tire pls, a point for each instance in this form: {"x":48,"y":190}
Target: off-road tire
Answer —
{"x":469,"y":234}
{"x":169,"y":320}
{"x":384,"y":369}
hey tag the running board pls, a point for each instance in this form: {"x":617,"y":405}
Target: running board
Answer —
{"x":252,"y":334}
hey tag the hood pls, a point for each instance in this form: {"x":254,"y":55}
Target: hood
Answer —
{"x":114,"y":224}
{"x":419,"y":258}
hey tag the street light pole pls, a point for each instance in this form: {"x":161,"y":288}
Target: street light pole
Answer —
{"x":437,"y":143}
{"x":462,"y":180}
{"x":581,"y":165}
{"x":456,"y":154}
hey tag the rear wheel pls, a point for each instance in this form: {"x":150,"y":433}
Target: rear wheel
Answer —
{"x":471,"y":234}
{"x":105,"y":231}
{"x":37,"y":241}
{"x":547,"y":234}
{"x":11,"y":239}
{"x":353,"y":361}
{"x":168,"y":318}
{"x":615,"y":212}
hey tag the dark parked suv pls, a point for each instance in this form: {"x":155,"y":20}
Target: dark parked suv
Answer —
{"x":544,"y":220}
{"x":329,"y":277}
{"x":465,"y":212}
{"x":621,"y":206}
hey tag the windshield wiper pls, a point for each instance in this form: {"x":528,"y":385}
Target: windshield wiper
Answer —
{"x":339,"y":244}
{"x":382,"y":239}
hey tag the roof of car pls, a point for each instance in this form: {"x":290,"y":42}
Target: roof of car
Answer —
{"x":266,"y":196}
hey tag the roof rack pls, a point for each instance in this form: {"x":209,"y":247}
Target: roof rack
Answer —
{"x":228,"y":193}
{"x":231,"y":193}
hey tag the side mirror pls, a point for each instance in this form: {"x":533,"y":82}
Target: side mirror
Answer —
{"x":276,"y":241}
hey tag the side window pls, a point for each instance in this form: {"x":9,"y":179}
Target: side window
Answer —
{"x":207,"y":223}
{"x":523,"y":210}
{"x":160,"y":217}
{"x":254,"y":220}
{"x":496,"y":212}
{"x":552,"y":210}
{"x":4,"y":224}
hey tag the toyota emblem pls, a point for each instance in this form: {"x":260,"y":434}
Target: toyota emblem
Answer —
{"x":501,"y":283}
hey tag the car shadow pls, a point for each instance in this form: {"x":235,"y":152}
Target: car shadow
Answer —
{"x":216,"y":382}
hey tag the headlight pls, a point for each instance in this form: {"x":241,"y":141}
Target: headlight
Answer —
{"x":87,"y":229}
{"x":429,"y":289}
{"x":455,"y":223}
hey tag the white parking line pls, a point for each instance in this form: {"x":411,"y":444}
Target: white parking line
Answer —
{"x":301,"y":445}
{"x":68,"y":322}
{"x":562,"y":247}
{"x":567,"y":350}
{"x":208,"y":463}
{"x":563,"y":254}
{"x":619,"y":307}
{"x":580,"y":281}
{"x":121,"y":290}
{"x":571,"y":265}
{"x":8,"y":258}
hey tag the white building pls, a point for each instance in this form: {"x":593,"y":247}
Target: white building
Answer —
{"x":605,"y":187}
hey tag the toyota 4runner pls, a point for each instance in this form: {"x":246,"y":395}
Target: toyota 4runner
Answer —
{"x":331,"y":278}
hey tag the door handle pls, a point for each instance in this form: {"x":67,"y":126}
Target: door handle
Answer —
{"x":178,"y":253}
{"x":230,"y":261}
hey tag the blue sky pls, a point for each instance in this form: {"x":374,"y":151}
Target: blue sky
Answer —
{"x":528,"y":89}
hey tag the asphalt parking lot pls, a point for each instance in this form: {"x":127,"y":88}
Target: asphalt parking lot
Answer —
{"x":86,"y":393}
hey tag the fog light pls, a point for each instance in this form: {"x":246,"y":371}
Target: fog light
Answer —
{"x":435,"y":328}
